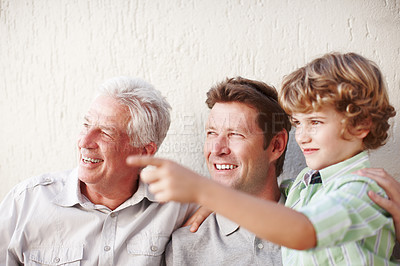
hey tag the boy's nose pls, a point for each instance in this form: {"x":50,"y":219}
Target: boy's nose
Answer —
{"x":302,"y":135}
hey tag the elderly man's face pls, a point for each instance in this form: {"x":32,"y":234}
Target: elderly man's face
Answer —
{"x":104,"y":144}
{"x":234,"y":147}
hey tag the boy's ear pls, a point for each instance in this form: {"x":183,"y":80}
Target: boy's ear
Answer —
{"x":362,"y":130}
{"x":362,"y":133}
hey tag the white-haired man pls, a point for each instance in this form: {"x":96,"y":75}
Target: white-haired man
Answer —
{"x":99,"y":213}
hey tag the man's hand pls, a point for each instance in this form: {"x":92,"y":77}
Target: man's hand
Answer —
{"x":392,"y":188}
{"x":167,"y":180}
{"x":197,"y":219}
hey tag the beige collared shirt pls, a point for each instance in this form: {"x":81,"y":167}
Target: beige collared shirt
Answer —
{"x":46,"y":220}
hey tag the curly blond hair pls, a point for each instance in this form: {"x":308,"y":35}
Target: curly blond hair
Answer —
{"x":350,"y":83}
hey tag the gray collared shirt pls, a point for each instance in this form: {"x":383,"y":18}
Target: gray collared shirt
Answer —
{"x":220,"y":241}
{"x":46,"y":220}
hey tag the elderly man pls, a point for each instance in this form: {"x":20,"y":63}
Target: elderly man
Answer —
{"x":99,"y":213}
{"x":247,"y":133}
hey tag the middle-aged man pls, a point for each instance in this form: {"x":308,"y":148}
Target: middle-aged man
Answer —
{"x":247,"y":133}
{"x":99,"y":213}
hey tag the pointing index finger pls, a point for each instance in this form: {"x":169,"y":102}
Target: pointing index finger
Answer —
{"x":142,"y":161}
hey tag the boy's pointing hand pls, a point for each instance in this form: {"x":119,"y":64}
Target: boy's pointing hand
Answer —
{"x":167,"y":180}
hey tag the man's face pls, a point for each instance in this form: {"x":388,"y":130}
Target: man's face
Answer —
{"x":104,"y":144}
{"x":234,"y":147}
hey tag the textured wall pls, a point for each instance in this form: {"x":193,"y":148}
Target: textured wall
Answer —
{"x":54,"y":54}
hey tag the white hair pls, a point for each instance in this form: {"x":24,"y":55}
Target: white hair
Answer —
{"x":150,"y":117}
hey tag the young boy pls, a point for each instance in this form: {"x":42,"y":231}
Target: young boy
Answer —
{"x":339,"y":106}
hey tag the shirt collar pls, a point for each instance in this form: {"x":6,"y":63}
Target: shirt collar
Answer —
{"x":359,"y":161}
{"x":227,"y":227}
{"x":307,"y":176}
{"x":71,"y":194}
{"x":141,"y":193}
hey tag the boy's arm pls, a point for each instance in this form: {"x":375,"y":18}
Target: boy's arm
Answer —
{"x":172,"y":182}
{"x":267,"y":219}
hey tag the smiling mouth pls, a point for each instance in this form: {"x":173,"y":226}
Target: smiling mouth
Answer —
{"x":225,"y":166}
{"x":307,"y":151}
{"x":91,"y":160}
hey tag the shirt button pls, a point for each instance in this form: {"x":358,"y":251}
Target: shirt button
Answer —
{"x":153,"y":248}
{"x":107,"y":248}
{"x":112,"y":215}
{"x":260,"y":246}
{"x":56,"y":260}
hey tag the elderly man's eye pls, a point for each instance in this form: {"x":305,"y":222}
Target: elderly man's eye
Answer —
{"x":211,"y":133}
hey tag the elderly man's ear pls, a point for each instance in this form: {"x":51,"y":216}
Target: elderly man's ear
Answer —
{"x":278,"y":145}
{"x":150,"y":149}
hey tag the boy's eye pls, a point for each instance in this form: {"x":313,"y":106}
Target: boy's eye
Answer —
{"x":315,"y":122}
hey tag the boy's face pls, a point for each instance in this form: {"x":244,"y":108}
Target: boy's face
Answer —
{"x":319,"y":137}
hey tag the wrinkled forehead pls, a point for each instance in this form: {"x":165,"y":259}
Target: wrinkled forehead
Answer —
{"x":107,"y":111}
{"x":232,"y":120}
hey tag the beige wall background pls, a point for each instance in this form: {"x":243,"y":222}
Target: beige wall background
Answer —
{"x":54,"y":55}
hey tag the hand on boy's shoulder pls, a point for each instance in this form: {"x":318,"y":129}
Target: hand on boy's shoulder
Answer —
{"x":358,"y":186}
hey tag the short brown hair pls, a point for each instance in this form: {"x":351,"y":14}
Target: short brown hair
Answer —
{"x":350,"y":83}
{"x":264,"y":98}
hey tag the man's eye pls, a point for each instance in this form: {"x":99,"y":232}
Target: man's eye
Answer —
{"x":315,"y":122}
{"x":210,"y":133}
{"x":85,"y":127}
{"x":107,"y":134}
{"x":235,"y":134}
{"x":295,"y":123}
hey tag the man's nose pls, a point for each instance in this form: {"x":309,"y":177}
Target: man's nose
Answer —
{"x":87,"y":139}
{"x":220,"y":146}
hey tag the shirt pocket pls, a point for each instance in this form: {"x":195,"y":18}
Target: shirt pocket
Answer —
{"x":147,"y":245}
{"x":70,"y":256}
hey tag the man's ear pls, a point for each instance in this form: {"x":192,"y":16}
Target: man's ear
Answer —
{"x":150,"y":149}
{"x":278,"y":145}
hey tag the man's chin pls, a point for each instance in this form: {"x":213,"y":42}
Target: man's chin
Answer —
{"x":85,"y":176}
{"x":223,"y":180}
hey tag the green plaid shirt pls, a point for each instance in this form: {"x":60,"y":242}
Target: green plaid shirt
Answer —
{"x":350,"y":228}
